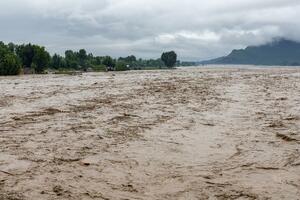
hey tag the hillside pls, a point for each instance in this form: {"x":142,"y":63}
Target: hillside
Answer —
{"x":278,"y":52}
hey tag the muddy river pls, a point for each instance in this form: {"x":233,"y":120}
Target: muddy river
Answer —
{"x":190,"y":133}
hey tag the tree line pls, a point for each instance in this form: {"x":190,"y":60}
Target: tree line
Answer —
{"x":31,"y":58}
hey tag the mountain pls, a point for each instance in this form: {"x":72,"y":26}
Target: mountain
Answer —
{"x":279,"y":52}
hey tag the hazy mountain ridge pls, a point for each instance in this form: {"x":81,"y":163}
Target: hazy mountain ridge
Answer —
{"x":278,"y":52}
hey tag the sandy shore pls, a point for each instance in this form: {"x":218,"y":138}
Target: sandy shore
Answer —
{"x":180,"y":134}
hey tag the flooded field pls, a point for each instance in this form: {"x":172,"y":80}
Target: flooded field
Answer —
{"x":178,"y":134}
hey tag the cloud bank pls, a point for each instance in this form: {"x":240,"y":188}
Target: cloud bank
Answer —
{"x":195,"y":29}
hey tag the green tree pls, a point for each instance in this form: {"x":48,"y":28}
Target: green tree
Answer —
{"x":71,"y":59}
{"x":33,"y":56}
{"x":109,"y":63}
{"x":26,"y":54}
{"x":97,"y":60}
{"x":128,"y":59}
{"x":82,"y":57}
{"x":57,"y":62}
{"x":3,"y":50}
{"x":9,"y":65}
{"x":41,"y":59}
{"x":121,"y":66}
{"x":12,"y":47}
{"x":169,"y":58}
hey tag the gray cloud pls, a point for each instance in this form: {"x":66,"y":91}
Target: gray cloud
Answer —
{"x":196,"y":29}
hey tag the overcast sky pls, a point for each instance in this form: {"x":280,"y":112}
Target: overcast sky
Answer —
{"x":195,"y":29}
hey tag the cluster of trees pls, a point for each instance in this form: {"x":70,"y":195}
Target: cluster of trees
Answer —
{"x":82,"y":61}
{"x":14,"y":58}
{"x":34,"y":58}
{"x":9,"y":63}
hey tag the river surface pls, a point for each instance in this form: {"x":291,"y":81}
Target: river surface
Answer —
{"x":190,"y":133}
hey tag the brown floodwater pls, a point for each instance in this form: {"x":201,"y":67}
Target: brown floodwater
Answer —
{"x":190,"y":133}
